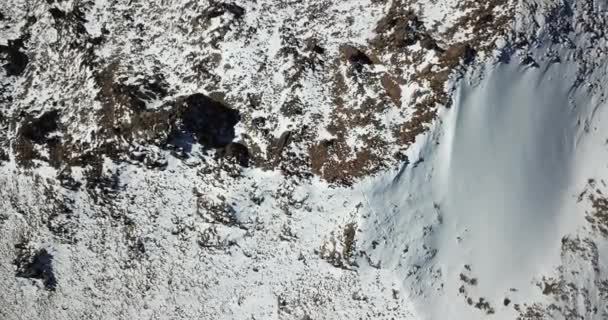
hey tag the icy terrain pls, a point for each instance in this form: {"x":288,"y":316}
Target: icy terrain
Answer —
{"x":367,"y":159}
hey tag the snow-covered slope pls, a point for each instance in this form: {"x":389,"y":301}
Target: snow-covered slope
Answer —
{"x":271,"y":159}
{"x":483,"y":214}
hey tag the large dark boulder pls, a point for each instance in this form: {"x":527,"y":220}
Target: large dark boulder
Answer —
{"x":17,"y":60}
{"x":209,"y":121}
{"x":38,"y":266}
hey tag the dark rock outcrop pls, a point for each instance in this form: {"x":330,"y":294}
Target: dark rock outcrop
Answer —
{"x":219,"y":8}
{"x":17,"y":60}
{"x":38,"y":129}
{"x":355,"y":56}
{"x":398,"y":29}
{"x":236,"y":152}
{"x":37,"y":266}
{"x":211,"y":122}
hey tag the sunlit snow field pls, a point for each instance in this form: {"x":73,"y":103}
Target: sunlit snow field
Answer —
{"x":490,"y":192}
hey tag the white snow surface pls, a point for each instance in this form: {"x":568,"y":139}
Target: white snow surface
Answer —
{"x":480,"y":211}
{"x":494,"y":189}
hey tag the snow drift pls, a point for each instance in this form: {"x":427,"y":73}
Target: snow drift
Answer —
{"x":477,"y":218}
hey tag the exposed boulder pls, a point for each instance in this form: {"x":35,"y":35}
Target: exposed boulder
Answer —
{"x":74,"y":20}
{"x":456,"y":54}
{"x":16,"y":59}
{"x":38,"y":130}
{"x":67,"y":181}
{"x":355,"y":56}
{"x":399,"y":28}
{"x":130,"y":128}
{"x":175,"y":126}
{"x":313,"y":45}
{"x":292,"y":108}
{"x":4,"y":156}
{"x":393,"y":90}
{"x":56,"y":13}
{"x":36,"y":265}
{"x":211,"y":122}
{"x":236,"y":152}
{"x":135,"y":96}
{"x":219,"y":8}
{"x":275,"y":149}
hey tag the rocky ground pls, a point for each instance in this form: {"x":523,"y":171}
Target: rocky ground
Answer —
{"x":227,"y":160}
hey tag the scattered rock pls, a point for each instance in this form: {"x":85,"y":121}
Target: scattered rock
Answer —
{"x":348,"y":237}
{"x":258,"y":122}
{"x":550,"y":288}
{"x":254,"y":101}
{"x":484,"y":305}
{"x":56,"y":13}
{"x":313,"y":45}
{"x":292,"y":108}
{"x":135,"y":97}
{"x":3,"y":155}
{"x":530,"y":62}
{"x":219,"y":8}
{"x":467,"y":280}
{"x":236,"y":10}
{"x":399,"y":28}
{"x":235,"y":151}
{"x":67,"y":181}
{"x":457,"y":53}
{"x":428,"y":43}
{"x":276,"y":148}
{"x":73,"y":20}
{"x":38,"y":132}
{"x":355,"y":56}
{"x":393,"y":90}
{"x":319,"y":155}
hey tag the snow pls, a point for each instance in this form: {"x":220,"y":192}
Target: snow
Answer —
{"x":495,"y":191}
{"x":511,"y":149}
{"x":488,"y":193}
